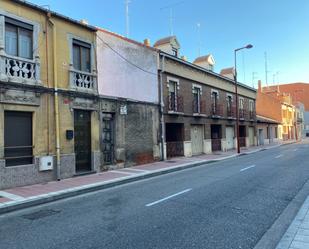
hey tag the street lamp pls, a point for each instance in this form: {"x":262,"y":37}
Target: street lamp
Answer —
{"x":236,"y":93}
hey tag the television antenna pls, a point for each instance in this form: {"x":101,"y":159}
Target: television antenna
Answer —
{"x":171,"y":7}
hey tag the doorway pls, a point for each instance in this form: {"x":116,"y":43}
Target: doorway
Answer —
{"x":82,"y":140}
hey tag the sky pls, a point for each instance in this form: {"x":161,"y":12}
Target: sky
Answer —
{"x":278,"y":29}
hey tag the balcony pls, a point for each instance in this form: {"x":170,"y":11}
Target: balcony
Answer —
{"x":19,"y":70}
{"x":199,"y":108}
{"x":242,"y":114}
{"x":252,"y":115}
{"x":83,"y":81}
{"x":216,"y":111}
{"x":231,"y":112}
{"x":175,"y":104}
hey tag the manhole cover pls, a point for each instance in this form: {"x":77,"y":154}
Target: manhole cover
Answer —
{"x":40,"y":214}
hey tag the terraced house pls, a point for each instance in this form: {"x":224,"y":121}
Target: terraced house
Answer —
{"x":49,"y":122}
{"x":199,"y":105}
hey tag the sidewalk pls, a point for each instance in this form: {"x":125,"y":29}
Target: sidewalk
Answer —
{"x":22,"y":197}
{"x":297,"y":235}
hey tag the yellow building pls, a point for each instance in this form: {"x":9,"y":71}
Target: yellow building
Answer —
{"x":49,"y":106}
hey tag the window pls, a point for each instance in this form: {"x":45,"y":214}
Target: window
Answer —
{"x":17,"y":138}
{"x":241,"y":103}
{"x":229,"y":103}
{"x":172,"y":92}
{"x":81,"y":56}
{"x":175,"y":52}
{"x":214,"y":96}
{"x":251,"y":105}
{"x":18,"y":38}
{"x":196,"y":99}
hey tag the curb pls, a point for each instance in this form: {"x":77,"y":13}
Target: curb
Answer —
{"x":54,"y":196}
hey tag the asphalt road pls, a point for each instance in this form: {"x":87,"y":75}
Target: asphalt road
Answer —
{"x":229,"y":204}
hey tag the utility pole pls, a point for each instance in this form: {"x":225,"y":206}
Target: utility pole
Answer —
{"x":127,"y":2}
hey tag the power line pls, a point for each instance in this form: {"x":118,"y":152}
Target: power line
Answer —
{"x":125,"y":59}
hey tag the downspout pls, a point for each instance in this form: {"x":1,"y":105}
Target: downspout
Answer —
{"x":162,"y":130}
{"x":47,"y":81}
{"x":56,"y":102}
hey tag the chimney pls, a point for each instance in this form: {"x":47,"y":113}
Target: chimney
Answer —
{"x":184,"y":58}
{"x":147,"y":42}
{"x":260,"y":86}
{"x":84,"y":21}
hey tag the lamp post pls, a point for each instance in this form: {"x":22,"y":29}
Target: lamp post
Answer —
{"x":236,"y":93}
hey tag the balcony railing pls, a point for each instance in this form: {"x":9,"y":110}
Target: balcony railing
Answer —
{"x":199,"y":107}
{"x":231,"y":112}
{"x":216,"y":110}
{"x":242,"y":114}
{"x":19,"y":70}
{"x":252,"y":115}
{"x":83,"y":81}
{"x":175,"y":104}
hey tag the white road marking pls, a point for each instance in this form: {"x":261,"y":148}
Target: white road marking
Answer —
{"x":11,"y":196}
{"x":279,"y":156}
{"x":295,"y":150}
{"x":249,"y":167}
{"x":168,"y":197}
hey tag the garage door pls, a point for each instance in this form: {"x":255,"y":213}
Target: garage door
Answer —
{"x":251,"y":136}
{"x":197,"y":136}
{"x":229,"y":137}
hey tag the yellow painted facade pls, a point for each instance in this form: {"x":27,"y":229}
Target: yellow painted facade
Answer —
{"x":49,"y":27}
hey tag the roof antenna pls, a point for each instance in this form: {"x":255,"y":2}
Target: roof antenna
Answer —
{"x":171,"y":16}
{"x":199,"y":38}
{"x":127,"y":2}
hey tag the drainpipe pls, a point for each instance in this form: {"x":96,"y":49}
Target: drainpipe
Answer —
{"x":162,"y":130}
{"x":47,"y":81}
{"x":56,"y":102}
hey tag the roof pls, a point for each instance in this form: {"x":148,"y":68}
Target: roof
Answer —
{"x":126,"y":39}
{"x":262,"y":119}
{"x":229,"y":70}
{"x":206,"y":70}
{"x":165,"y":40}
{"x":68,"y":19}
{"x":206,"y":58}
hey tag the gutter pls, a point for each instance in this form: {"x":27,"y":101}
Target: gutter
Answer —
{"x":162,"y":128}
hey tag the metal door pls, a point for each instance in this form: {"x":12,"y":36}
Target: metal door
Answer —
{"x":197,"y":139}
{"x":82,"y":140}
{"x":261,"y":137}
{"x":107,"y":139}
{"x":229,"y":138}
{"x":251,"y":136}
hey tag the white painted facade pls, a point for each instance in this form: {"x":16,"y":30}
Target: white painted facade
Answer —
{"x":117,"y":77}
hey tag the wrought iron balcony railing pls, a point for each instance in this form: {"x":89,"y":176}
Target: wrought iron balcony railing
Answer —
{"x":175,"y":104}
{"x":216,"y":110}
{"x":231,"y":112}
{"x":199,"y":107}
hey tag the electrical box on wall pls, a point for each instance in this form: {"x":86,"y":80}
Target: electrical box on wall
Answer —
{"x":46,"y":163}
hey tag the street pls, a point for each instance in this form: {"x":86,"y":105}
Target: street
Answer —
{"x":228,"y":204}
